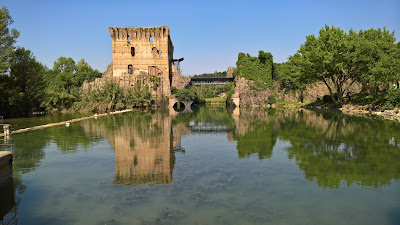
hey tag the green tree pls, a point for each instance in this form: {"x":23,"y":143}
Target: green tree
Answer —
{"x":84,"y":72}
{"x":63,"y":64}
{"x":27,"y":74}
{"x":64,"y":82}
{"x":185,"y":95}
{"x":339,"y":59}
{"x":378,"y":56}
{"x":7,"y":40}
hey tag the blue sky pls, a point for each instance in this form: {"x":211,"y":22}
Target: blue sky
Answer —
{"x":208,"y":34}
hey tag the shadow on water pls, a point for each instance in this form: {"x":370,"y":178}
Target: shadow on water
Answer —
{"x":7,"y":199}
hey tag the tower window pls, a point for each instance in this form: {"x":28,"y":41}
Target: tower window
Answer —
{"x":130,"y":69}
{"x":151,"y":40}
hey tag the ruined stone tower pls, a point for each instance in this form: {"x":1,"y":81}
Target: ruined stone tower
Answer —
{"x":142,"y":55}
{"x":142,"y":48}
{"x":142,"y":51}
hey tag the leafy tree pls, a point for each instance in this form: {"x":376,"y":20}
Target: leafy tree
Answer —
{"x":27,"y":75}
{"x":5,"y":93}
{"x":378,"y":56}
{"x":63,"y":64}
{"x":84,"y":72}
{"x":64,"y":82}
{"x":185,"y":95}
{"x":338,"y":59}
{"x":289,"y":76}
{"x":7,"y":39}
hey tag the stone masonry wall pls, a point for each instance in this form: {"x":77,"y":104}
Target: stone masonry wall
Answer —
{"x":141,"y":47}
{"x":179,"y":81}
{"x":254,"y":98}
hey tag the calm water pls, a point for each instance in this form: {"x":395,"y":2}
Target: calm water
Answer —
{"x":209,"y":167}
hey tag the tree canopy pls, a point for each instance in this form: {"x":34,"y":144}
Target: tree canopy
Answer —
{"x":7,"y":40}
{"x":339,"y":59}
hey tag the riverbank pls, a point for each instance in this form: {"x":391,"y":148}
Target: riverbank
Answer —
{"x":362,"y":111}
{"x":359,"y":110}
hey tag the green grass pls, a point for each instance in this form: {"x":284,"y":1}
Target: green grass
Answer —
{"x":215,"y":100}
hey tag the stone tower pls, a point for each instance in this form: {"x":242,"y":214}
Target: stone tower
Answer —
{"x":142,"y":51}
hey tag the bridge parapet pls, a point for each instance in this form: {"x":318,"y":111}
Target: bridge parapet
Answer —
{"x":210,"y":80}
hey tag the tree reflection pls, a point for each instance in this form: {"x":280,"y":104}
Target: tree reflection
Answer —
{"x":333,"y":148}
{"x":255,"y":134}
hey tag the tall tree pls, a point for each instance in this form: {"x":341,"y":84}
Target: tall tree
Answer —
{"x":28,"y":77}
{"x":7,"y":39}
{"x":338,"y":59}
{"x":63,"y":64}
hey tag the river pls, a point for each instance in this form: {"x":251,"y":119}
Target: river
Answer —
{"x":211,"y":166}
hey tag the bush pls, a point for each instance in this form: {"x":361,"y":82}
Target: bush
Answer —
{"x":185,"y":95}
{"x":173,"y":90}
{"x":327,"y":99}
{"x":271,"y":99}
{"x":392,"y":99}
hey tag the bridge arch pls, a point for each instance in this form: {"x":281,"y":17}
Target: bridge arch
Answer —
{"x":187,"y":104}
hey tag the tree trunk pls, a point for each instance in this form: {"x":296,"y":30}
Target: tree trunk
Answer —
{"x":330,"y":90}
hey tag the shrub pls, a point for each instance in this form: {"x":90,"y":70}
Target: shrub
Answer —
{"x":392,"y":99}
{"x":327,"y":99}
{"x":271,"y":99}
{"x":173,"y":90}
{"x":185,"y":95}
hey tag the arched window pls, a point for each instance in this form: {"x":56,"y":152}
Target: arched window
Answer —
{"x":151,"y":40}
{"x":130,"y":69}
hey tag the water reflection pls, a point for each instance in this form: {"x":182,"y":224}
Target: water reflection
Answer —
{"x":329,"y":147}
{"x":143,"y":143}
{"x":7,"y":202}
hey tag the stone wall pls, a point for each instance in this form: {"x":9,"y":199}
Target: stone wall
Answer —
{"x":159,"y":86}
{"x":253,"y":98}
{"x":179,"y":81}
{"x":141,"y":47}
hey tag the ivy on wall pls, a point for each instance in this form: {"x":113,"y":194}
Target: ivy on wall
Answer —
{"x":258,"y":69}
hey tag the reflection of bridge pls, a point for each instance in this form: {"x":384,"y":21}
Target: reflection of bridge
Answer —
{"x":210,"y":80}
{"x":208,"y":128}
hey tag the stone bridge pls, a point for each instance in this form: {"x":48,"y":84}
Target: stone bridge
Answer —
{"x":173,"y":101}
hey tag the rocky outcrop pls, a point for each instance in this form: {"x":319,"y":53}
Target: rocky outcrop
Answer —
{"x":229,"y":72}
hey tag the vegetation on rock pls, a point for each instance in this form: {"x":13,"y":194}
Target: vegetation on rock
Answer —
{"x":258,"y":69}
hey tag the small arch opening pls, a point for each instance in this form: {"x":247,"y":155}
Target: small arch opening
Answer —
{"x":159,"y":53}
{"x":179,"y":106}
{"x":130,"y":69}
{"x":129,"y":39}
{"x":151,"y":39}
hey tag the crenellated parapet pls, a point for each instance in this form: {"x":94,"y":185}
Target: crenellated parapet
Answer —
{"x":139,"y":33}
